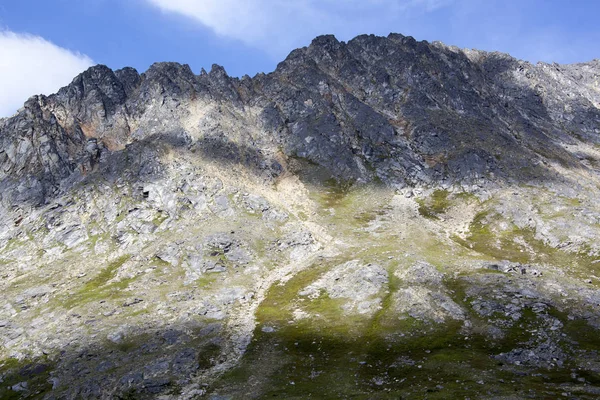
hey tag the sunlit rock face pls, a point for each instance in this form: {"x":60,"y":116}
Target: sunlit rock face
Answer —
{"x":382,"y":218}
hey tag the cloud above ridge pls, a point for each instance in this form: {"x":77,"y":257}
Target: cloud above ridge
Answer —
{"x":31,"y":65}
{"x":277,"y":26}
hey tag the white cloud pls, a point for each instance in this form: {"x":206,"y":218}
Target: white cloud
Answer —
{"x":31,"y":65}
{"x":277,"y":26}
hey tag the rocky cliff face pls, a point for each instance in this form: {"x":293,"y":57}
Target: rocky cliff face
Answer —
{"x":396,"y":217}
{"x":393,"y":109}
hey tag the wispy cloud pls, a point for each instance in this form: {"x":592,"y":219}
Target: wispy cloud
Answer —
{"x":277,"y":26}
{"x":32,"y":65}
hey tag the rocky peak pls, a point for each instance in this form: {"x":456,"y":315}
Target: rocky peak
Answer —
{"x":98,"y":84}
{"x":217,"y":71}
{"x":388,"y":108}
{"x":325,"y":44}
{"x":170,"y":75}
{"x":129,"y":78}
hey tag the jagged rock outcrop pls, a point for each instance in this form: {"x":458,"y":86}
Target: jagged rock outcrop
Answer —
{"x":393,"y":109}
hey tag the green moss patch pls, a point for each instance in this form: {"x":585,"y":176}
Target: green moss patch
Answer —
{"x":35,"y":373}
{"x":382,"y":356}
{"x":435,"y":205}
{"x":99,"y":288}
{"x":521,"y":245}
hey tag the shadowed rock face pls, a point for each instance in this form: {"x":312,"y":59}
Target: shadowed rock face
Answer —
{"x":382,"y":218}
{"x":387,"y":108}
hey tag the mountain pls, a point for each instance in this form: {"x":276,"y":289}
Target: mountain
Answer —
{"x":382,"y":218}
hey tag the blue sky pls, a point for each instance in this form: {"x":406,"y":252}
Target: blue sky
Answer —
{"x":45,"y":43}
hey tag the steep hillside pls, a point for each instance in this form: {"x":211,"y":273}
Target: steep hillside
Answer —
{"x":382,"y":218}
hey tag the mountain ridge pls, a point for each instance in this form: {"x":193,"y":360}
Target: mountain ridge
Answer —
{"x":116,"y":100}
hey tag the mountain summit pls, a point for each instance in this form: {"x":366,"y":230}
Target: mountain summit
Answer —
{"x":380,"y":218}
{"x":391,"y":109}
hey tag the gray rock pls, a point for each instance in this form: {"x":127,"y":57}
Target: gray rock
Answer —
{"x":37,"y":292}
{"x":354,"y":282}
{"x":20,"y":387}
{"x":221,"y":206}
{"x":421,"y":273}
{"x":170,"y":254}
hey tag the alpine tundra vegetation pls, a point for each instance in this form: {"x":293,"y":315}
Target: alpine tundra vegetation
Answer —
{"x":378,"y":219}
